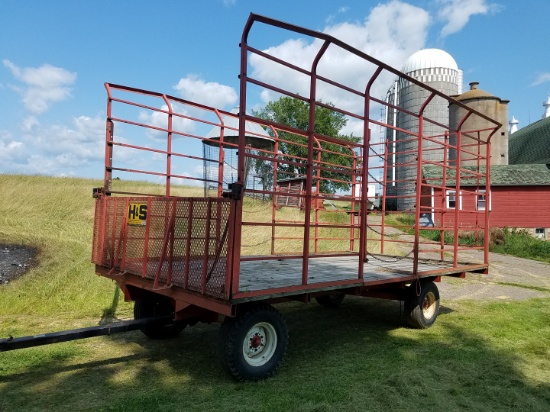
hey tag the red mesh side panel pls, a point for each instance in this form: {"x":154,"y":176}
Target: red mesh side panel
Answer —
{"x":98,"y":235}
{"x":134,"y":239}
{"x":181,"y":241}
{"x":207,"y":245}
{"x":107,"y":245}
{"x":160,"y":244}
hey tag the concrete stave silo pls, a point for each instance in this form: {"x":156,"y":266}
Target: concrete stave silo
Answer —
{"x":437,"y":69}
{"x":491,"y":106}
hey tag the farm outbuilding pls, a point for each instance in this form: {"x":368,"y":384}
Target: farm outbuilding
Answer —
{"x":290,"y":192}
{"x":519,"y":198}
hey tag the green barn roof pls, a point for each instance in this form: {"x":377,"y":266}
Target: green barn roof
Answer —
{"x":501,"y":175}
{"x":530,"y":144}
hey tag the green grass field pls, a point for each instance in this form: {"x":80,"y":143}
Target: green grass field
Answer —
{"x":486,"y":356}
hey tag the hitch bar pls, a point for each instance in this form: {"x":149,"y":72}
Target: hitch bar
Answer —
{"x":12,"y":343}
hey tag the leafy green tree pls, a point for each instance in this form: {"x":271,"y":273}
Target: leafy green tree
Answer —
{"x":295,"y":113}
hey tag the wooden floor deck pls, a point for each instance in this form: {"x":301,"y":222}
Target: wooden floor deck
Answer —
{"x":268,"y":276}
{"x":257,"y":275}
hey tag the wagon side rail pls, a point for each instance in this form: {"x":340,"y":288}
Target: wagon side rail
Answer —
{"x":461,"y":151}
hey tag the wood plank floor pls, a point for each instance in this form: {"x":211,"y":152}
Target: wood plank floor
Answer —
{"x":258,"y":275}
{"x":265,"y":275}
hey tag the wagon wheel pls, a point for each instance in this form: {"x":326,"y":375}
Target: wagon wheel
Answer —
{"x":154,"y":307}
{"x":331,"y":301}
{"x":422,"y":308}
{"x":252,"y":345}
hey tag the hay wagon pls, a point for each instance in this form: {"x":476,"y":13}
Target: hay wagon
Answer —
{"x":195,"y":222}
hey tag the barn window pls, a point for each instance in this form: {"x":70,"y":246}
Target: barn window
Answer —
{"x":453,"y":200}
{"x":540,"y":232}
{"x":481,"y":202}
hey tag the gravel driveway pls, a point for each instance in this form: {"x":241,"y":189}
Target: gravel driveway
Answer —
{"x":509,"y":278}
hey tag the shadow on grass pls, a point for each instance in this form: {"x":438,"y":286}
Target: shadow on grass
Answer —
{"x":109,"y":313}
{"x":357,"y":357}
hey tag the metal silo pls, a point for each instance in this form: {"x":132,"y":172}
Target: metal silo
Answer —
{"x":491,"y":106}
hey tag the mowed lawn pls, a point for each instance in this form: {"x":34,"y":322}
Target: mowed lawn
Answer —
{"x":486,"y":356}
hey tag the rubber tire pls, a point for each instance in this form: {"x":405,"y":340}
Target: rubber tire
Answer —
{"x":235,"y":332}
{"x":331,"y":301}
{"x":422,"y":308}
{"x":151,"y":307}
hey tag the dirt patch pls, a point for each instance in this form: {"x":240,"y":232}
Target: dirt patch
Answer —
{"x":15,"y":260}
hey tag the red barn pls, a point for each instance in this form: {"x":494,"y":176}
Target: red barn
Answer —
{"x":519,"y":198}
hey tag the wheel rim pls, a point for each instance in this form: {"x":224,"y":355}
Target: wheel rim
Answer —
{"x":259,"y":344}
{"x":429,"y":305}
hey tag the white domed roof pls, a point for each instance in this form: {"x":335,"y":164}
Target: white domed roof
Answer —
{"x":429,"y":58}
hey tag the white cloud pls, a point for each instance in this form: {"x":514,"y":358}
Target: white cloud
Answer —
{"x":391,"y":33}
{"x":541,"y":78}
{"x":457,"y":13}
{"x":213,"y":94}
{"x":296,"y":51}
{"x":43,"y":85}
{"x":395,"y":31}
{"x":332,"y":17}
{"x":10,"y":150}
{"x":159,"y":119}
{"x":29,"y":123}
{"x":267,"y":96}
{"x":55,"y":149}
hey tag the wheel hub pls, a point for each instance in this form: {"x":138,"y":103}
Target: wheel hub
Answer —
{"x":428,"y":305}
{"x":260,"y":344}
{"x":255,"y":341}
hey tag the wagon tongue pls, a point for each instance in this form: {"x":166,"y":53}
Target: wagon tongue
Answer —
{"x":12,"y":343}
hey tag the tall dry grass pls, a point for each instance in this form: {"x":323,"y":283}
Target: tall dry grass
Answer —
{"x":55,"y":215}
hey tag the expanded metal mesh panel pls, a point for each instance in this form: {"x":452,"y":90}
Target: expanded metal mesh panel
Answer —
{"x":97,"y":252}
{"x":109,"y":215}
{"x":177,"y":241}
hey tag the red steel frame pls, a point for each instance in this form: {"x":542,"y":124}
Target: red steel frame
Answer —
{"x":191,"y":248}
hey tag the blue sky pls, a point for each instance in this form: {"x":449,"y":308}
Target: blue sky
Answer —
{"x":56,"y":55}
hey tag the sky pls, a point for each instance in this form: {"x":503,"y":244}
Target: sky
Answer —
{"x":55,"y":57}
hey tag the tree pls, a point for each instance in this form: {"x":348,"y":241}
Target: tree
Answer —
{"x":295,"y":113}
